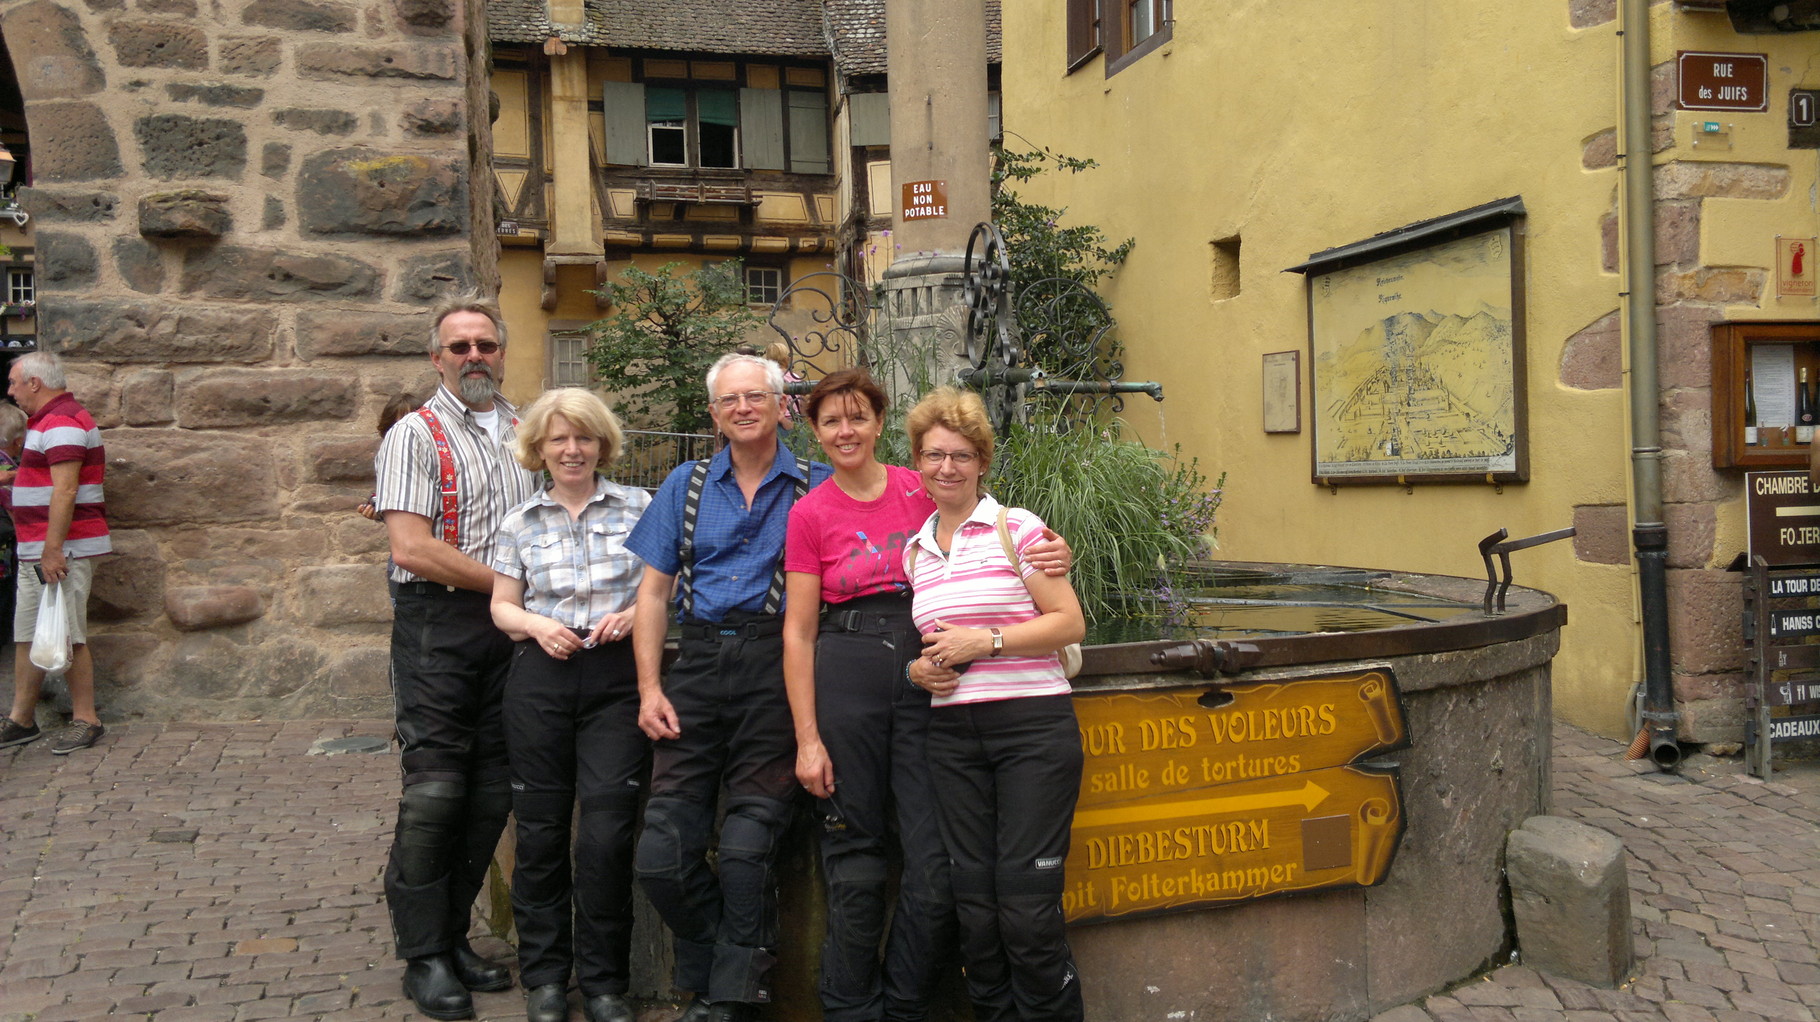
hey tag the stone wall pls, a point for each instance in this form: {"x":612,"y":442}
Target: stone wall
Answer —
{"x":242,"y":209}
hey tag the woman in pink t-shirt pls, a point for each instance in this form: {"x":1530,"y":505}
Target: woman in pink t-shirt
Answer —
{"x":860,"y":724}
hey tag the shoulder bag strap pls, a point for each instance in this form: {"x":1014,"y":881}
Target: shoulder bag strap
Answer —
{"x":1004,"y":537}
{"x":1069,"y":655}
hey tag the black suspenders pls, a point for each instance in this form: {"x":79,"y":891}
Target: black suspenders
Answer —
{"x":698,"y":480}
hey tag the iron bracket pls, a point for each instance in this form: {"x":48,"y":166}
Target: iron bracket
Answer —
{"x":1497,"y":544}
{"x":1210,"y":657}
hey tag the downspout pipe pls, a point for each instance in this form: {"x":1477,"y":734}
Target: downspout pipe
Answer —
{"x":1649,"y":533}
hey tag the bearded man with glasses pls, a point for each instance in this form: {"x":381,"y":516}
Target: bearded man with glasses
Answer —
{"x":446,"y":478}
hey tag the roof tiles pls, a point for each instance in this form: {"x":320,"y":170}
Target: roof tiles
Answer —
{"x":853,"y":31}
{"x":779,"y":27}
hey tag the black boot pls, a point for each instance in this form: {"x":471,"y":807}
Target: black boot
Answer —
{"x":606,"y":1008}
{"x":477,"y":973}
{"x":547,"y":1003}
{"x":431,"y":984}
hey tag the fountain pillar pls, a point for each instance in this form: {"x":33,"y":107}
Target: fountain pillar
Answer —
{"x":940,"y":173}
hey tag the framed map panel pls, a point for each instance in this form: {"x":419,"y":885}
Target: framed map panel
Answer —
{"x":1416,"y":364}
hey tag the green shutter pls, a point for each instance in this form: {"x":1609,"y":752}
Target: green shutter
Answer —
{"x":809,"y":133}
{"x":761,"y":128}
{"x":870,"y":113}
{"x":625,"y":113}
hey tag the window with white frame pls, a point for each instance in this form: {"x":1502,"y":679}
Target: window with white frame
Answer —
{"x":568,"y":360}
{"x":20,"y":287}
{"x":716,"y":128}
{"x":692,"y":127}
{"x":764,"y":285}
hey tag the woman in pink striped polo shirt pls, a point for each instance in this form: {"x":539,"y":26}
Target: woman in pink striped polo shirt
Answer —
{"x":1003,"y":746}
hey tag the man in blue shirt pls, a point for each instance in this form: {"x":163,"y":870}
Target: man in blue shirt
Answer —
{"x":721,"y":716}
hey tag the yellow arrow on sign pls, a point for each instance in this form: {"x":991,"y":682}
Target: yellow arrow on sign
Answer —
{"x":1308,"y":796}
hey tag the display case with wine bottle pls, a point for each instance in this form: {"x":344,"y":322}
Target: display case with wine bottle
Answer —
{"x":1766,"y":394}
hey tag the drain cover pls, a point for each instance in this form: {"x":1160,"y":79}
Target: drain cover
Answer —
{"x":357,"y":743}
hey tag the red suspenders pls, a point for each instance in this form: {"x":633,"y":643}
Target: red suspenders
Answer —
{"x":446,"y":474}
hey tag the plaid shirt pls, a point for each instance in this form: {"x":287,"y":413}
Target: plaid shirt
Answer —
{"x":488,"y":479}
{"x":575,"y":570}
{"x":736,"y":550}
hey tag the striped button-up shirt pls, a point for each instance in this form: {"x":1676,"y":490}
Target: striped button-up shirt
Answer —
{"x":575,"y":570}
{"x":488,"y":479}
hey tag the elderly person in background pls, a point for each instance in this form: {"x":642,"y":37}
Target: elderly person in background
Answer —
{"x":12,"y":447}
{"x":1004,"y":749}
{"x":60,"y":514}
{"x":564,"y":586}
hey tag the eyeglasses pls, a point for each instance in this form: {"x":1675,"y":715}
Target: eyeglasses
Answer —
{"x":463,"y":347}
{"x":960,"y":458}
{"x":728,"y":402}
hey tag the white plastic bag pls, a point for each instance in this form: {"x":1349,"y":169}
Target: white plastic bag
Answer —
{"x":51,"y":641}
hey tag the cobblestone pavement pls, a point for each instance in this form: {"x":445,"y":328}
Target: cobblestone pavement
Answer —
{"x":219,"y":872}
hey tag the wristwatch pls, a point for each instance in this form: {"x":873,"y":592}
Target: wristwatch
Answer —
{"x":998,"y":641}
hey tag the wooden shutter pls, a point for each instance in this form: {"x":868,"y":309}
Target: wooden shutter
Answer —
{"x":1083,"y":30}
{"x":809,"y":132}
{"x":624,"y":106}
{"x":761,"y":128}
{"x":870,"y":115}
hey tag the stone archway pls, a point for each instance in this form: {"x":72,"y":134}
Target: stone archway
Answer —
{"x":241,"y":210}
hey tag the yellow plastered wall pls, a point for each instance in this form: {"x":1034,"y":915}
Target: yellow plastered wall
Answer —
{"x":1308,"y":132}
{"x":521,"y":296}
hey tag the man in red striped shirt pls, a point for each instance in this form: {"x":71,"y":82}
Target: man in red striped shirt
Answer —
{"x":61,"y":519}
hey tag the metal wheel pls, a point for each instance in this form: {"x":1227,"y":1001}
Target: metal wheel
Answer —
{"x":987,"y":291}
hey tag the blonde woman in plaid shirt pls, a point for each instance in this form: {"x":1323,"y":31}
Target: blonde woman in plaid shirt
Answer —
{"x":564,"y":586}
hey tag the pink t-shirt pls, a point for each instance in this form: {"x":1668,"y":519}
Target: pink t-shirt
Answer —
{"x":974,"y":586}
{"x":857,"y":547}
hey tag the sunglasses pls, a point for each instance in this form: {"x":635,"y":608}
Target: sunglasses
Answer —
{"x":463,"y":347}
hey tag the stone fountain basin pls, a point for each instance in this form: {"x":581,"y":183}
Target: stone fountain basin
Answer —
{"x":1476,"y":700}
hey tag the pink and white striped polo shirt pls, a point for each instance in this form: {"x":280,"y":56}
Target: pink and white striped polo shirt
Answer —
{"x":973,"y":586}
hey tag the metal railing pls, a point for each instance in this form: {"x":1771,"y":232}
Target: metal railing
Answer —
{"x":650,"y":456}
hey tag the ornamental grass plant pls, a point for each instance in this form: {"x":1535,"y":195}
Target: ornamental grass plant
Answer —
{"x":1133,"y":515}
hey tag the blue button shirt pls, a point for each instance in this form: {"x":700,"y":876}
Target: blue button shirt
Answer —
{"x":736,"y":550}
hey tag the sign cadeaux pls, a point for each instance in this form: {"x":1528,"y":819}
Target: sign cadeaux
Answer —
{"x":1192,"y":797}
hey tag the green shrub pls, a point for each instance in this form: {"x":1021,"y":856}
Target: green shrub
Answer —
{"x":666,"y":329}
{"x":1132,"y":514}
